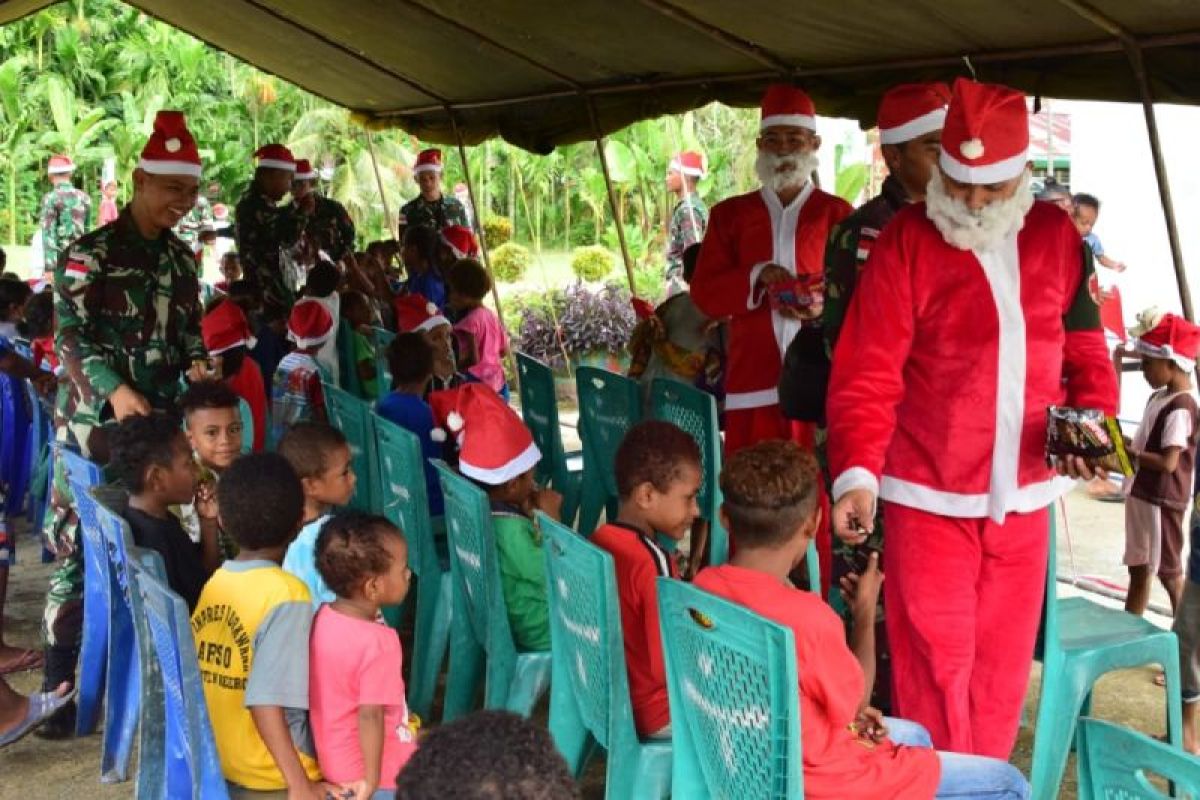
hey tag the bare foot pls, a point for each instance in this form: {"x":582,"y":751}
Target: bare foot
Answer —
{"x":18,"y":659}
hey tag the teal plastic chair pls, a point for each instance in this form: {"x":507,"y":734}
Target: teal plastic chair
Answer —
{"x":383,"y":373}
{"x":405,"y":503}
{"x":539,"y":409}
{"x":347,"y":368}
{"x":1081,"y":641}
{"x":696,"y":412}
{"x":482,"y":645}
{"x":732,"y":683}
{"x":354,"y":418}
{"x":609,"y":405}
{"x":247,"y":420}
{"x":589,"y":686}
{"x":1114,"y":762}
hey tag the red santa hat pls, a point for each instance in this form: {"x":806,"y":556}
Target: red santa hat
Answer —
{"x":786,"y":105}
{"x":225,"y":327}
{"x":275,"y":156}
{"x":985,"y":138}
{"x":1171,"y":337}
{"x":428,"y":161}
{"x":310,"y":324}
{"x":494,"y":446}
{"x":690,"y":163}
{"x":305,"y":171}
{"x":170,"y":150}
{"x":911,"y":110}
{"x":415,"y":314}
{"x":461,"y":241}
{"x":60,"y":165}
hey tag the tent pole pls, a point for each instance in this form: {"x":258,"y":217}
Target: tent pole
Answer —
{"x":483,"y":249}
{"x":387,"y":212}
{"x":612,"y":195}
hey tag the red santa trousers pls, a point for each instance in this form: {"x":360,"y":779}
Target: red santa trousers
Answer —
{"x":964,"y":600}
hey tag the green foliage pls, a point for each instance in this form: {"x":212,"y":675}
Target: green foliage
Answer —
{"x":849,"y":179}
{"x":496,"y":231}
{"x":592,"y":263}
{"x":510,"y":261}
{"x":649,"y":284}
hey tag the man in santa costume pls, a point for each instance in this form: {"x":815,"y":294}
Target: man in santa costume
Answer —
{"x":774,"y":235}
{"x":971,"y":317}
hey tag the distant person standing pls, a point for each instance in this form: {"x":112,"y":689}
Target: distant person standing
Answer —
{"x":66,"y":211}
{"x":688,"y":219}
{"x":108,"y":203}
{"x":330,"y":230}
{"x":1086,"y":209}
{"x":431,"y":208}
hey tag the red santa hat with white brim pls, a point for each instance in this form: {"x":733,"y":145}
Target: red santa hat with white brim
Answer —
{"x":60,"y":165}
{"x":224,"y":328}
{"x":170,"y":150}
{"x":1169,"y":336}
{"x":310,"y":324}
{"x":787,"y":106}
{"x":911,"y":110}
{"x":461,"y":241}
{"x":494,"y":446}
{"x":428,"y":161}
{"x":985,"y":138}
{"x":275,"y":156}
{"x":690,"y":163}
{"x":305,"y":171}
{"x":415,"y":314}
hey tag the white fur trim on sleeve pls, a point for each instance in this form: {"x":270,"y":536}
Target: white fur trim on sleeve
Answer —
{"x":754,"y":299}
{"x":855,"y":478}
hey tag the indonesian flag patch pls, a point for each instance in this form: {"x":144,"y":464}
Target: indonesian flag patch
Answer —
{"x":76,"y":269}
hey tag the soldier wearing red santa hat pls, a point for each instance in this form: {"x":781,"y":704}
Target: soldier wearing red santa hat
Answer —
{"x":761,"y":264}
{"x":971,"y":318}
{"x":689,"y":217}
{"x":431,"y":208}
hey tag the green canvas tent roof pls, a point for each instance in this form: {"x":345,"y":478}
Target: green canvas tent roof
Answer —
{"x":526,"y":71}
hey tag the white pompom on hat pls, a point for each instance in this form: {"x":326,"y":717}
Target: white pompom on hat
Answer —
{"x":170,"y":150}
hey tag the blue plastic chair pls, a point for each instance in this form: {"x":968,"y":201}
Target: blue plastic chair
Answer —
{"x":539,"y":409}
{"x":354,"y":418}
{"x":609,"y":405}
{"x":41,"y":436}
{"x":482,"y":645}
{"x":589,"y":686}
{"x":15,"y":465}
{"x":381,"y":338}
{"x":1114,"y":762}
{"x":732,"y":683}
{"x":1081,"y":641}
{"x":405,"y":503}
{"x":182,"y":761}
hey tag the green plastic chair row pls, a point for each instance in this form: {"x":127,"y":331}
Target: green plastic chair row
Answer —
{"x":354,"y":418}
{"x":539,"y":408}
{"x":609,"y":405}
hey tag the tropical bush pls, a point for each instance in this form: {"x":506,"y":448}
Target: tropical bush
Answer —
{"x":496,"y":231}
{"x":577,"y":321}
{"x":510,"y":261}
{"x":592,"y":263}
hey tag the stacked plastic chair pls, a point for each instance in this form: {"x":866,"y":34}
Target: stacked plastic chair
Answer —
{"x":1116,"y":763}
{"x":609,"y":405}
{"x":354,"y":418}
{"x":381,"y":338}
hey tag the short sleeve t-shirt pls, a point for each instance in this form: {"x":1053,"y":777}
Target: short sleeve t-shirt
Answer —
{"x":490,"y":344}
{"x":355,"y":663}
{"x":181,"y":556}
{"x":301,"y":561}
{"x":252,"y":628}
{"x":837,"y":764}
{"x":523,"y":578}
{"x":415,"y":415}
{"x":296,"y":393}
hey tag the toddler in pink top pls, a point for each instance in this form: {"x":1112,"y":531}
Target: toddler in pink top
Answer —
{"x":481,"y":336}
{"x":361,"y":726}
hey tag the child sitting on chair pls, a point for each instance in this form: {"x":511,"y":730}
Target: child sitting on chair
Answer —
{"x":415,"y":314}
{"x":358,"y":311}
{"x":480,"y":333}
{"x":212,"y":420}
{"x":497,"y":452}
{"x":770,"y":509}
{"x":152,"y":459}
{"x":228,"y":339}
{"x":296,"y":393}
{"x":321,"y":458}
{"x":361,"y":726}
{"x":658,"y":477}
{"x":410,"y":359}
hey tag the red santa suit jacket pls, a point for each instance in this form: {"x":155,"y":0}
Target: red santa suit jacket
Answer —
{"x":949,"y":359}
{"x":745,"y":233}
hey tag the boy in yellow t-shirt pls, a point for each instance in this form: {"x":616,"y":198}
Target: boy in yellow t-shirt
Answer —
{"x":251,"y":626}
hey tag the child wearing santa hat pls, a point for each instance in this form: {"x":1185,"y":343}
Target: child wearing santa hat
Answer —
{"x":228,"y":339}
{"x":296,"y":393}
{"x":496,"y":451}
{"x":1164,"y":451}
{"x":415,"y":314}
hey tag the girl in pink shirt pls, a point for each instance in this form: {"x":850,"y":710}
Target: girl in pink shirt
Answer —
{"x":361,"y":725}
{"x":482,"y":340}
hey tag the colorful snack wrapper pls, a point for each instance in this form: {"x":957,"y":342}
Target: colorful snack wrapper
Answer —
{"x":1088,"y":433}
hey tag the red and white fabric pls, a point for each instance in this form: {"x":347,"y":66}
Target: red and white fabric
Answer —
{"x":226,"y":327}
{"x":911,"y":110}
{"x":494,"y":446}
{"x":275,"y":156}
{"x":60,"y":165}
{"x":415,"y":314}
{"x":787,"y":106}
{"x":690,"y":163}
{"x":985,"y":137}
{"x":461,"y":241}
{"x":310,"y":324}
{"x":170,"y":150}
{"x":305,"y":171}
{"x":428,"y":161}
{"x":1171,"y":337}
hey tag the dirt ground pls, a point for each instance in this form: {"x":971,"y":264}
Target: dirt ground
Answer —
{"x":34,"y":769}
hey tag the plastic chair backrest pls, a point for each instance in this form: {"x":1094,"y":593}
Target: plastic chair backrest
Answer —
{"x":539,"y":409}
{"x":15,"y":466}
{"x":732,"y":682}
{"x":247,"y":419}
{"x":585,"y":629}
{"x":347,"y":377}
{"x":1114,"y":762}
{"x":404,"y":500}
{"x":609,"y":405}
{"x":381,"y":338}
{"x":354,"y":418}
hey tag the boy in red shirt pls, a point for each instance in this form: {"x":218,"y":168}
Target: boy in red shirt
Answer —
{"x":658,"y":476}
{"x":770,"y":507}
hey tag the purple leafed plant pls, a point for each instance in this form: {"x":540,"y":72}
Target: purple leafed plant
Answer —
{"x":588,"y":321}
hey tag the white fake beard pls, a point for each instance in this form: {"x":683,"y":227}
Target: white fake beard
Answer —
{"x":976,"y":230}
{"x":767,"y":167}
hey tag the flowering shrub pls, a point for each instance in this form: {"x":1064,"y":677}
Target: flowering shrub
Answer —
{"x":580,"y":320}
{"x":509,"y":262}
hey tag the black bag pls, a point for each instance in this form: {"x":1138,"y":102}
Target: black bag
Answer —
{"x":804,"y":380}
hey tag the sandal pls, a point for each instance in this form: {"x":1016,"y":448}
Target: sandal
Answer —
{"x":41,"y":706}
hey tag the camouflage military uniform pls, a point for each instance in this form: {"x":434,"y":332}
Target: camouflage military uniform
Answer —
{"x":128,"y":313}
{"x":66,"y":214}
{"x":441,"y":213}
{"x":331,"y":228}
{"x":688,"y":222}
{"x":263,"y":229}
{"x":189,"y":228}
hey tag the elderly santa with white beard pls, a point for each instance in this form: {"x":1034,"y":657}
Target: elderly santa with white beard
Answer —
{"x":771,"y":236}
{"x":973,"y":315}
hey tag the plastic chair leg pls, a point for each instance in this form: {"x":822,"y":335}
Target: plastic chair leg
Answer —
{"x":529,"y":680}
{"x":93,"y":651}
{"x":430,"y":639}
{"x":121,"y":708}
{"x":570,"y":491}
{"x":1174,"y":695}
{"x":465,"y":670}
{"x":1058,"y":714}
{"x":648,"y":776}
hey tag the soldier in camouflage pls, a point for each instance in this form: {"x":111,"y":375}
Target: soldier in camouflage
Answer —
{"x":330,"y":229}
{"x":127,"y":306}
{"x":66,"y":212}
{"x":195,"y":223}
{"x":689,"y":218}
{"x":431,"y":208}
{"x":264,"y":229}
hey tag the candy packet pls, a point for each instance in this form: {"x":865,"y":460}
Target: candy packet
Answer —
{"x":1088,"y":433}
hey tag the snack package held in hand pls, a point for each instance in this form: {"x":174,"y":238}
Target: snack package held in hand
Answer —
{"x":1088,"y":433}
{"x":803,"y":292}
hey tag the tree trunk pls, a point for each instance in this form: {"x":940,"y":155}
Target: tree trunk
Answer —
{"x":512,"y":188}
